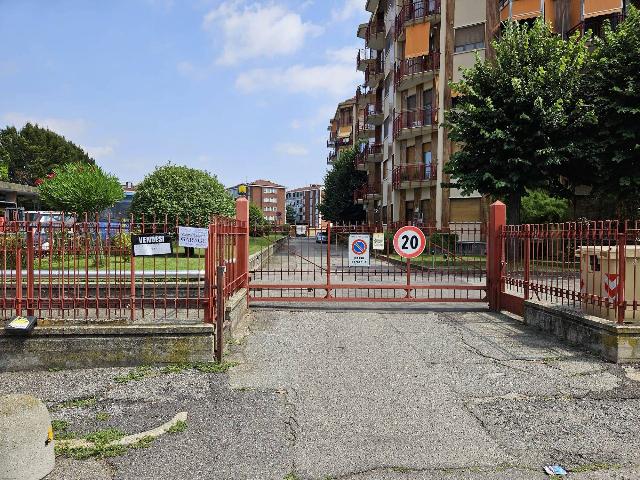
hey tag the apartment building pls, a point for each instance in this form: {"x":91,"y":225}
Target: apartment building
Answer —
{"x":413,"y":48}
{"x":567,"y":16}
{"x":267,"y":195}
{"x":305,"y":201}
{"x":341,"y":129}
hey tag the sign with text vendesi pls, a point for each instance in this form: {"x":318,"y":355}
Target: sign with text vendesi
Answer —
{"x":193,"y":237}
{"x":148,"y":245}
{"x":359,"y":250}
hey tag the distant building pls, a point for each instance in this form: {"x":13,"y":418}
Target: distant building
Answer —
{"x":122,"y":209}
{"x":305,"y":201}
{"x":14,"y":195}
{"x":267,"y":195}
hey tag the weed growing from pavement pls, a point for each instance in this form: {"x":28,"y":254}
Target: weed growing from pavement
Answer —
{"x":139,"y":373}
{"x":144,"y":442}
{"x":102,"y":416}
{"x":61,"y":430}
{"x":103,"y":437}
{"x":291,"y":476}
{"x":76,"y":403}
{"x":179,"y":426}
{"x":82,"y":453}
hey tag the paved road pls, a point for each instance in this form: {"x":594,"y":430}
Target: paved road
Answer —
{"x":366,"y":395}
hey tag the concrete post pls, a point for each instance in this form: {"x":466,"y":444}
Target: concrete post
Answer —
{"x":497,"y":221}
{"x":242,"y":246}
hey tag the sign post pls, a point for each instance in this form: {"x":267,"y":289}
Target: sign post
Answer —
{"x":409,"y":242}
{"x":359,"y":250}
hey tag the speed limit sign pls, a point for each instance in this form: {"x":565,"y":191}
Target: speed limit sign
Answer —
{"x":409,"y":242}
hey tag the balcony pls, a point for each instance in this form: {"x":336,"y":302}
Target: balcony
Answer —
{"x":413,"y":175}
{"x":413,"y":71}
{"x":596,"y":24}
{"x":364,"y":131}
{"x":367,"y":192}
{"x":333,"y":156}
{"x":373,"y":34}
{"x":371,"y":152}
{"x":364,"y":96}
{"x":415,"y":122}
{"x":366,"y":57}
{"x":372,"y":5}
{"x":374,"y":114}
{"x":374,"y":73}
{"x":415,"y":11}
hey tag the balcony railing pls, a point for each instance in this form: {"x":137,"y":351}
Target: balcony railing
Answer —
{"x":367,"y":150}
{"x":372,"y":109}
{"x":415,"y":10}
{"x":332,"y":157}
{"x":413,"y":174}
{"x":367,"y":55}
{"x":596,"y":24}
{"x":423,"y":117}
{"x":375,"y":27}
{"x":362,"y":93}
{"x":375,"y":68}
{"x":364,"y":129}
{"x":366,"y":190}
{"x":417,"y":65}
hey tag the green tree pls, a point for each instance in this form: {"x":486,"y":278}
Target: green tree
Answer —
{"x":256,"y":217}
{"x":617,"y":96}
{"x":189,"y":195}
{"x":521,"y":117}
{"x":539,"y":207}
{"x":340,"y":184}
{"x":80,"y":188}
{"x":291,"y":214}
{"x":33,"y":152}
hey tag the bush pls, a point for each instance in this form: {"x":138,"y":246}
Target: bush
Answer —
{"x":9,"y":245}
{"x":121,"y":242}
{"x":442,"y":243}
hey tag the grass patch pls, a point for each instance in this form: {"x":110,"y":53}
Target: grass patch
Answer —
{"x":102,"y":416}
{"x":82,"y":453}
{"x":134,"y":375}
{"x":103,"y":437}
{"x":180,"y":426}
{"x":61,"y":430}
{"x":144,"y":442}
{"x":202,"y":367}
{"x":291,"y":476}
{"x":76,"y":403}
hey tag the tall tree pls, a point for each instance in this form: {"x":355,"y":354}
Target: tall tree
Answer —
{"x":182,"y":193}
{"x":340,"y":183}
{"x":617,"y":92}
{"x":80,"y":188}
{"x":33,"y":152}
{"x":520,"y":116}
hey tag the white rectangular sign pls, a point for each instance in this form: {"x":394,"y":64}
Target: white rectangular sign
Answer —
{"x":151,"y":249}
{"x":193,"y":237}
{"x":359,"y":249}
{"x":378,"y":241}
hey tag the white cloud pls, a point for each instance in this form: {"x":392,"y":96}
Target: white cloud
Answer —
{"x":292,"y":149}
{"x":349,"y":9}
{"x":68,"y":127}
{"x":100,"y":151}
{"x":344,"y":55}
{"x":257,"y":30}
{"x":335,"y":79}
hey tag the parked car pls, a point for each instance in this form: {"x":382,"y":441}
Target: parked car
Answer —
{"x":322,"y":237}
{"x":301,"y":230}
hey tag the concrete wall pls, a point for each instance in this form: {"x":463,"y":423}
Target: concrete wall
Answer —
{"x":616,"y":343}
{"x":91,"y":346}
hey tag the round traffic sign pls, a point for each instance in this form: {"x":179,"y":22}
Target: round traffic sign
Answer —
{"x":359,"y":247}
{"x":409,"y":242}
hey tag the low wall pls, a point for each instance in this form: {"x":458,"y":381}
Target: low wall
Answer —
{"x":236,"y":308}
{"x":257,"y":259}
{"x":616,"y":343}
{"x":89,"y":346}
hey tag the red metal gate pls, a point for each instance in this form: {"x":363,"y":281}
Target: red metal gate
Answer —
{"x":314,"y":266}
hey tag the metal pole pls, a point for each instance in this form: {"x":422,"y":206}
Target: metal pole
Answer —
{"x":220,"y":269}
{"x":30,"y":275}
{"x":328,"y":261}
{"x":622,"y":270}
{"x":527,"y":256}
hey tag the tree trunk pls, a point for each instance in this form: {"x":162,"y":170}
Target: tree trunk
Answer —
{"x":514,"y":203}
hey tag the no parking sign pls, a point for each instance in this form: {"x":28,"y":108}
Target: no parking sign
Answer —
{"x":359,"y":250}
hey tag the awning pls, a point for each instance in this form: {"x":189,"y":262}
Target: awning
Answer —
{"x":593,"y":8}
{"x":344,"y":132}
{"x":417,"y":40}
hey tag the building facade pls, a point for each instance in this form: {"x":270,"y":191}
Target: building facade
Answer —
{"x":341,"y":129}
{"x":267,"y":195}
{"x":413,"y":49}
{"x":567,"y":16}
{"x":304,"y":201}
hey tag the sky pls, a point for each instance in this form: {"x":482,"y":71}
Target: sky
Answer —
{"x":241,"y":88}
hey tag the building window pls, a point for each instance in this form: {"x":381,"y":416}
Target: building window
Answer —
{"x":386,"y":126}
{"x":469,"y":38}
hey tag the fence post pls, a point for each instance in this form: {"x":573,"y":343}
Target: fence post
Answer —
{"x":497,"y":221}
{"x":527,"y":260}
{"x":242,"y":245}
{"x":220,"y":311}
{"x":622,"y":271}
{"x":30,"y":274}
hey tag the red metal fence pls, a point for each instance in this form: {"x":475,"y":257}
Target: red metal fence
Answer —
{"x":82,"y":269}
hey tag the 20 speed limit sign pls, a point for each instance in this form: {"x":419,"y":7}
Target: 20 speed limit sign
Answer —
{"x":409,"y":242}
